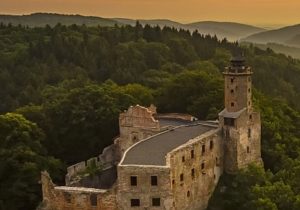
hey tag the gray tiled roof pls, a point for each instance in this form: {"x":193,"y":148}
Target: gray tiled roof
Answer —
{"x":154,"y":150}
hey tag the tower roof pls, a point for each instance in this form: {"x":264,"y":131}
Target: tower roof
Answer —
{"x":238,"y":61}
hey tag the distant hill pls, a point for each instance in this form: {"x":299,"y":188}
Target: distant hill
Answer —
{"x":295,"y":41}
{"x":278,"y":48}
{"x":287,"y":35}
{"x":232,"y":31}
{"x":155,"y":22}
{"x":41,"y":19}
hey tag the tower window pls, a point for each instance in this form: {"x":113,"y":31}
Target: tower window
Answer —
{"x":232,"y":104}
{"x":232,"y":91}
{"x":231,"y":80}
{"x":202,"y":166}
{"x":133,"y":180}
{"x":93,"y":200}
{"x":173,"y":181}
{"x":250,"y":116}
{"x":154,"y":180}
{"x":193,"y":173}
{"x":249,"y":133}
{"x":155,"y":201}
{"x":203,"y":149}
{"x":183,"y":159}
{"x":248,"y":150}
{"x":228,"y":121}
{"x":249,"y":90}
{"x":188,"y":194}
{"x":192,"y":154}
{"x":181,"y":177}
{"x":135,"y":202}
{"x":211,"y":144}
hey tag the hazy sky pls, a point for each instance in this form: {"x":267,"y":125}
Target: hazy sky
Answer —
{"x":258,"y":12}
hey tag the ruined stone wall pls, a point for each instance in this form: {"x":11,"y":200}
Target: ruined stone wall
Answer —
{"x":136,"y":123}
{"x":74,"y":198}
{"x":144,"y":191}
{"x":176,"y":116}
{"x":108,"y":158}
{"x":195,"y":171}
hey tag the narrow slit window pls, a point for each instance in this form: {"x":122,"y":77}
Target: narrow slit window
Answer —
{"x":193,"y":173}
{"x":211,"y":144}
{"x":203,"y":149}
{"x":181,"y":177}
{"x":192,"y":154}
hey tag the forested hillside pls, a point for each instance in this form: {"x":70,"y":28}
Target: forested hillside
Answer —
{"x":63,"y":87}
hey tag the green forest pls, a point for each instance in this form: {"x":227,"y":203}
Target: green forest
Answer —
{"x":62,"y":89}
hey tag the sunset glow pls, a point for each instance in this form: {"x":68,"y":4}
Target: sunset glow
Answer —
{"x":258,"y":12}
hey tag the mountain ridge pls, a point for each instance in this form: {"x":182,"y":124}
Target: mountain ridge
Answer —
{"x":230,"y":30}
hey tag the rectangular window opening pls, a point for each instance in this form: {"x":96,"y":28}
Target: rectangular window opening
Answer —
{"x":133,"y":180}
{"x":155,"y":201}
{"x":192,"y":154}
{"x":93,"y":199}
{"x":181,"y":177}
{"x":135,"y":202}
{"x":203,"y":149}
{"x":211,"y":144}
{"x":154,"y":180}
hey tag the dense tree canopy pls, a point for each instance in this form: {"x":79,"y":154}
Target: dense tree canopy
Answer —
{"x":22,"y":157}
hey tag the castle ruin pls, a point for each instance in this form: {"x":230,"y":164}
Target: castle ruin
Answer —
{"x":166,"y":161}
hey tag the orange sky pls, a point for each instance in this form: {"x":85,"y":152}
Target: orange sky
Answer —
{"x":258,"y":12}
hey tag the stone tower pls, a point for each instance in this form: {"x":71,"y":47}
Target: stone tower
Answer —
{"x":240,"y":124}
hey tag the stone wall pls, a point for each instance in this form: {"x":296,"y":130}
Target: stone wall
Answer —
{"x":144,"y":191}
{"x":107,"y":159}
{"x":195,"y":171}
{"x":242,"y":141}
{"x":102,"y":179}
{"x":135,"y":124}
{"x":176,"y":116}
{"x":74,"y":198}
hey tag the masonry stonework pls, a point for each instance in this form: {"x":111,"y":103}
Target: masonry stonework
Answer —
{"x":166,"y":161}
